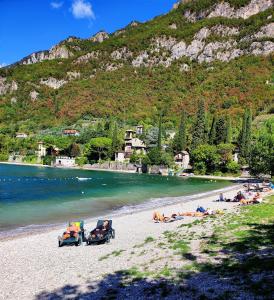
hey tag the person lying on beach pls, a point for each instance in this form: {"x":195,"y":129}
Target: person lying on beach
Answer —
{"x":201,"y":212}
{"x":157,"y":217}
{"x":101,"y":230}
{"x":192,"y":214}
{"x":71,"y":231}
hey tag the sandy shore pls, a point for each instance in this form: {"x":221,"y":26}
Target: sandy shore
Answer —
{"x":33,"y":264}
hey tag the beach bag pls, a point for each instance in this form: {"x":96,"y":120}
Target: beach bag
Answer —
{"x":200,"y":209}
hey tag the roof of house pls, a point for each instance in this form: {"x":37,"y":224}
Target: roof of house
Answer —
{"x":70,"y":131}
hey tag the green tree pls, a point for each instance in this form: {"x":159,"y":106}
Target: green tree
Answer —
{"x":159,"y":141}
{"x":179,"y":142}
{"x":205,"y":159}
{"x":261,"y":159}
{"x":228,"y":136}
{"x":212,"y":132}
{"x":115,"y":140}
{"x":100,"y":146}
{"x":245,"y":135}
{"x":220,"y":131}
{"x":157,"y":157}
{"x":199,"y":130}
{"x":74,"y":150}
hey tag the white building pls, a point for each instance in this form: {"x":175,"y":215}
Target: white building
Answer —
{"x":182,"y":159}
{"x":42,"y":150}
{"x":64,"y":161}
{"x":120,"y":156}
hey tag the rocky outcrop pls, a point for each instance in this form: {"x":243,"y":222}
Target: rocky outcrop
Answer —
{"x":134,"y":24}
{"x":184,"y":68}
{"x":173,"y":26}
{"x":255,"y":6}
{"x":220,"y":51}
{"x":266,"y":31}
{"x":121,"y":54}
{"x":54,"y":53}
{"x":141,"y":59}
{"x":224,"y":9}
{"x":163,"y":42}
{"x":85,"y":58}
{"x":33,"y":95}
{"x":73,"y":75}
{"x":99,"y":37}
{"x":262,"y":48}
{"x":53,"y":82}
{"x":224,"y":31}
{"x":13,"y":100}
{"x":113,"y":67}
{"x":7,"y":87}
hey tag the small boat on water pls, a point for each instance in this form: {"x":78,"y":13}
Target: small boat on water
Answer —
{"x":83,"y":178}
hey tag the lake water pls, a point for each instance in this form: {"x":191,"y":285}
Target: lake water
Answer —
{"x":37,"y":196}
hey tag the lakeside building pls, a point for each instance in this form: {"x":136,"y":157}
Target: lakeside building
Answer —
{"x":64,"y":161}
{"x":71,"y":132}
{"x":182,"y":159}
{"x":131,"y":144}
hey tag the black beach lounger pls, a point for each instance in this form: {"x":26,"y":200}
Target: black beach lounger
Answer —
{"x":101,"y":234}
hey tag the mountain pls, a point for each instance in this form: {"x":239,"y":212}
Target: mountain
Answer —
{"x":215,"y":50}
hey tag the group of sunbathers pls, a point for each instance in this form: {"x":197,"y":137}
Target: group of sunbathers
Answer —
{"x":250,"y":196}
{"x":200,"y":212}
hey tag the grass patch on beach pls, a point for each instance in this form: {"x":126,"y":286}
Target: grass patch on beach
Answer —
{"x":246,"y":243}
{"x":148,"y":240}
{"x":236,"y":248}
{"x":112,"y":254}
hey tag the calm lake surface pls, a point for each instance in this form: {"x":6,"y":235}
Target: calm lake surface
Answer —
{"x":39,"y":196}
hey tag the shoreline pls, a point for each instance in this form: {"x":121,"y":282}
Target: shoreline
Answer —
{"x":127,"y":210}
{"x":228,"y":178}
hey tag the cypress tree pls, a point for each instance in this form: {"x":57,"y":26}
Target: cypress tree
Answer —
{"x":220,"y":131}
{"x":180,"y":138}
{"x":115,"y":141}
{"x":245,"y":136}
{"x":248,"y":132}
{"x":159,"y":141}
{"x":228,"y":137}
{"x":212,"y":132}
{"x":199,"y":130}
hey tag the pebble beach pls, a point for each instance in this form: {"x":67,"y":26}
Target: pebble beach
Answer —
{"x":33,"y":264}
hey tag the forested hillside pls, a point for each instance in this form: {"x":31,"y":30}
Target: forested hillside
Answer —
{"x":221,"y":52}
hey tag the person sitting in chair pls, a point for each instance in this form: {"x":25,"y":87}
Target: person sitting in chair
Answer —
{"x":101,"y":230}
{"x":72,"y":231}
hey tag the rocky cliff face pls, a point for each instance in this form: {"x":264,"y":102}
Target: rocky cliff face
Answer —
{"x":99,"y":37}
{"x":7,"y":87}
{"x":224,"y":9}
{"x":59,"y":51}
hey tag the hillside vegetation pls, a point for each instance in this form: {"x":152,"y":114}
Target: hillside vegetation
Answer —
{"x":144,"y":67}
